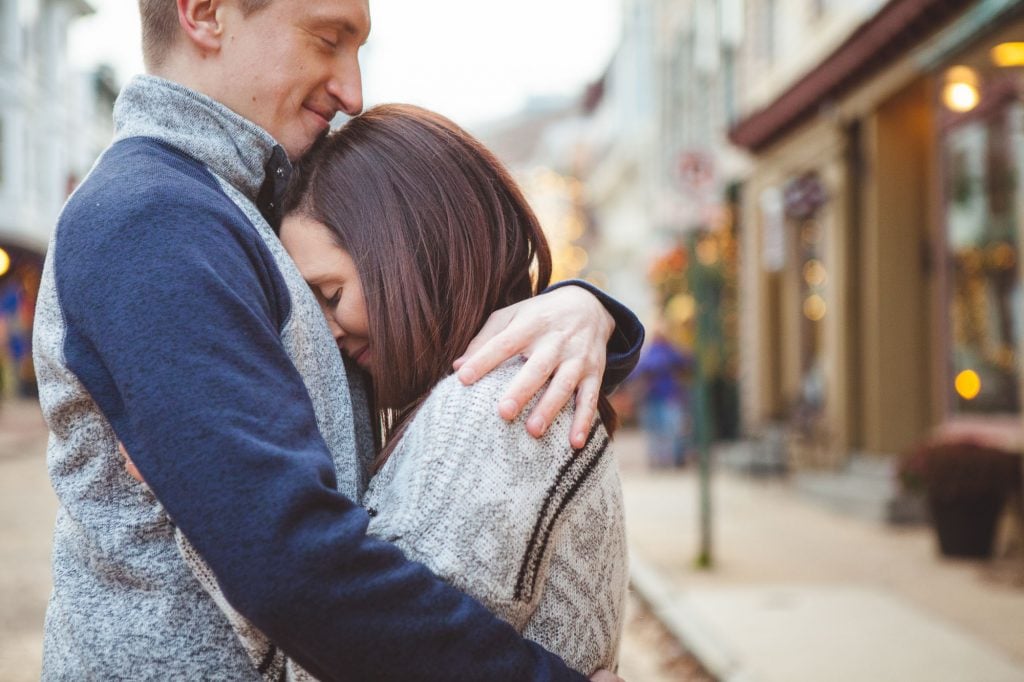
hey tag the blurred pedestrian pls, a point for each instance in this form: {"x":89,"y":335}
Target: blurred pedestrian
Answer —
{"x":664,"y":400}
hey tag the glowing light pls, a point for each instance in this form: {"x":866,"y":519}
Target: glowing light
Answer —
{"x":681,"y":307}
{"x":707,"y":252}
{"x":815,"y":273}
{"x":815,"y":308}
{"x":577,"y":258}
{"x":1008,"y":54}
{"x":5,"y":262}
{"x":573,"y":228}
{"x":961,"y":90}
{"x":968,"y":384}
{"x":960,"y":97}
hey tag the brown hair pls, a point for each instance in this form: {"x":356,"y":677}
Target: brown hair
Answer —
{"x":160,"y":26}
{"x":441,"y":236}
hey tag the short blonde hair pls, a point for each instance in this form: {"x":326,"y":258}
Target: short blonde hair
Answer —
{"x":160,"y":26}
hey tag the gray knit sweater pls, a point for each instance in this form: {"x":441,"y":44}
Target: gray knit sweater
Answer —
{"x":531,"y":528}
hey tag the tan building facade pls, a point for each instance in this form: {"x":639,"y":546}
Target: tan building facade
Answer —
{"x":881,"y":280}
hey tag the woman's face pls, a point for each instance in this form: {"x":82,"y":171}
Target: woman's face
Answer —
{"x":331,"y":274}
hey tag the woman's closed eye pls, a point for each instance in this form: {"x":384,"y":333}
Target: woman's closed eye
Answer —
{"x":332,"y":302}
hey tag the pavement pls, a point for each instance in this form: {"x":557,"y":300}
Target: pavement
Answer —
{"x":27,"y":511}
{"x":801,"y":593}
{"x":797,"y":592}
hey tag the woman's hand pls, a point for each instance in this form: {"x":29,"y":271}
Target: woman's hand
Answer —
{"x":605,"y":676}
{"x":564,"y":336}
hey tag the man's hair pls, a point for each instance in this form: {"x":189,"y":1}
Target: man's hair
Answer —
{"x":441,"y":236}
{"x":160,"y":26}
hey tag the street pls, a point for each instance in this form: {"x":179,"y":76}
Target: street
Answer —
{"x":27,"y":509}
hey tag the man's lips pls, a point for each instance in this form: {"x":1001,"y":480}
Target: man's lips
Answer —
{"x":325,"y":115}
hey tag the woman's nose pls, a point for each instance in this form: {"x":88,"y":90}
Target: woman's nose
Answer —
{"x":336,"y":331}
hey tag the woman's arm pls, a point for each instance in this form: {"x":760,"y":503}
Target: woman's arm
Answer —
{"x":486,"y":507}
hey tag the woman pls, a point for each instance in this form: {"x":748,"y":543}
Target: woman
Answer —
{"x":411,"y":233}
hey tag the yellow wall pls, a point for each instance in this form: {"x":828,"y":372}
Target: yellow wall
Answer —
{"x":896,"y":286}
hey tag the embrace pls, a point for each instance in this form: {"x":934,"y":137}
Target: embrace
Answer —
{"x":316,"y":410}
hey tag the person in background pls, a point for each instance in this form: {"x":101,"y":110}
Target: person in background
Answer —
{"x":664,"y":400}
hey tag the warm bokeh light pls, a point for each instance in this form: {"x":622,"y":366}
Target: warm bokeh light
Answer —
{"x":707,"y":251}
{"x":681,"y":308}
{"x":1008,"y":54}
{"x":960,"y":97}
{"x":5,"y":262}
{"x":968,"y":384}
{"x":815,"y":308}
{"x":960,"y":93}
{"x":815,"y":274}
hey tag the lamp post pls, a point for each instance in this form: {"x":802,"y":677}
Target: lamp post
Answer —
{"x":706,"y":284}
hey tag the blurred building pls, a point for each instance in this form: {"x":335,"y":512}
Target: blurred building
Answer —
{"x":883,"y":222}
{"x":54,"y":121}
{"x":637,"y":182}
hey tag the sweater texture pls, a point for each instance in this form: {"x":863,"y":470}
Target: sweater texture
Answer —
{"x":170,"y":318}
{"x":530,"y":527}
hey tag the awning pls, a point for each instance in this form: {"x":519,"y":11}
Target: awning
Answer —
{"x":890,"y":34}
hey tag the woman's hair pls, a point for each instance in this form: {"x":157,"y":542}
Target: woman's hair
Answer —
{"x":441,"y":237}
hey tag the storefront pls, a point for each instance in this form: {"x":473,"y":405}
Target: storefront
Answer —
{"x":20,"y":273}
{"x":980,"y":140}
{"x":882,"y":296}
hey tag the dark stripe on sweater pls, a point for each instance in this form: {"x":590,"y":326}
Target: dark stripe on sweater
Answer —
{"x":545,"y":520}
{"x":267,"y":660}
{"x":538,"y":553}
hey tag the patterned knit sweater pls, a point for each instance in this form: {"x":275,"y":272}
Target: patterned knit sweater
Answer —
{"x":531,"y":528}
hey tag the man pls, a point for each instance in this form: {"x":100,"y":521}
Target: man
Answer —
{"x":170,"y":318}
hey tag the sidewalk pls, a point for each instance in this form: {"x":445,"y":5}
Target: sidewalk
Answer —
{"x":21,"y":427}
{"x":799,"y":593}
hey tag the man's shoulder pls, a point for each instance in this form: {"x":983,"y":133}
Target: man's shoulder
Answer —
{"x":144,"y":162}
{"x":144,"y":190}
{"x":142,"y":176}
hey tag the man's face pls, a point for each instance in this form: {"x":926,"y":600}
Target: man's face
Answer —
{"x":292,"y":66}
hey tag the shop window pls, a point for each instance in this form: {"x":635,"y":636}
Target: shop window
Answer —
{"x":805,"y":198}
{"x":982,"y":190}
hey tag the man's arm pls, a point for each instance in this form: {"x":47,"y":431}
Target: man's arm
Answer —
{"x":574,"y":334}
{"x":173,"y":328}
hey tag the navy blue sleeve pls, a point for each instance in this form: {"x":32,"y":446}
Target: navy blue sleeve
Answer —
{"x":172,"y":316}
{"x":627,"y":339}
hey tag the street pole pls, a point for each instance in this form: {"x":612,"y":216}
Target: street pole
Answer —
{"x":705,"y":283}
{"x":702,"y":426}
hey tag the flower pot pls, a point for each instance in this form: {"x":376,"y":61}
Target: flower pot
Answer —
{"x":966,"y":526}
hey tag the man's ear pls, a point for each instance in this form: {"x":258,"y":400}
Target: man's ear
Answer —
{"x":203,"y":22}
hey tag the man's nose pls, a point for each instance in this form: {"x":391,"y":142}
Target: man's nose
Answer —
{"x":346,"y":86}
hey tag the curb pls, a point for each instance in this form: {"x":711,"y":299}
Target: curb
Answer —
{"x":684,"y":623}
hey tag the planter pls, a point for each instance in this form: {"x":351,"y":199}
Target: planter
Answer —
{"x":966,"y":527}
{"x":966,"y":483}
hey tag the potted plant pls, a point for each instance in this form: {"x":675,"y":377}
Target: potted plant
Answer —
{"x":966,"y":484}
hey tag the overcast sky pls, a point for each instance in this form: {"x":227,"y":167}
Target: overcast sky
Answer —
{"x":472,"y":60}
